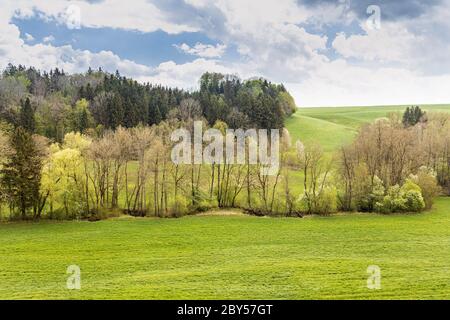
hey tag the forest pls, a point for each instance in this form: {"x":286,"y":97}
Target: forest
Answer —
{"x":97,"y":145}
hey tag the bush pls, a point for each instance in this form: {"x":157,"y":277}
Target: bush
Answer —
{"x":202,"y":202}
{"x":369,"y":196}
{"x":181,"y":206}
{"x":392,"y":202}
{"x":408,"y":198}
{"x":325,"y":203}
{"x":414,"y":201}
{"x":426,"y":179}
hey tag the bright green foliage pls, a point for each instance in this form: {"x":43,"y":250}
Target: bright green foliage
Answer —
{"x":61,"y":178}
{"x":370,"y":194}
{"x":414,"y":201}
{"x":407,"y":198}
{"x":324,"y":204}
{"x":76,"y":141}
{"x":81,"y":116}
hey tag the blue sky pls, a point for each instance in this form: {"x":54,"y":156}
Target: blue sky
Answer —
{"x":326,"y":52}
{"x":150,"y":48}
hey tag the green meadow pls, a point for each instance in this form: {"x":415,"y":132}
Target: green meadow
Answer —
{"x":231,"y":257}
{"x":228,"y":255}
{"x":334,"y":126}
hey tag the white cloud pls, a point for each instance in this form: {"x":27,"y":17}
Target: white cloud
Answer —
{"x":392,"y":43}
{"x":339,"y":83}
{"x":28,"y":37}
{"x":407,"y":61}
{"x":203,"y":50}
{"x":139,"y":15}
{"x":184,"y":75}
{"x":46,"y":56}
{"x":48,"y":39}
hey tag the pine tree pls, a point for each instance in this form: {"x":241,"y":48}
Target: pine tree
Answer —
{"x":89,"y":92}
{"x":115,"y":111}
{"x":412,"y":116}
{"x":21,"y":175}
{"x":84,"y":121}
{"x":406,"y":117}
{"x":27,"y":120}
{"x":154,"y":115}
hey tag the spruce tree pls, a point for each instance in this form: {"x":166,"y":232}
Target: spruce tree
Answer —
{"x":84,"y":121}
{"x":27,"y":120}
{"x":412,"y":116}
{"x":21,"y":175}
{"x":154,"y":115}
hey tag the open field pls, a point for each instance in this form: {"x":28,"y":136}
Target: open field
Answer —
{"x":332,"y":127}
{"x":224,"y":257}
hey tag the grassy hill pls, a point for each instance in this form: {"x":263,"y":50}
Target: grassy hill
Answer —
{"x":332,"y":127}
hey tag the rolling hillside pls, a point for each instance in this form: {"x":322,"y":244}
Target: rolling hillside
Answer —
{"x":332,"y":127}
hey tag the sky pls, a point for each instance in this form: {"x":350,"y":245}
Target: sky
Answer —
{"x":327,"y":53}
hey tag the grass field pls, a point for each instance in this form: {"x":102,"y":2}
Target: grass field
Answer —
{"x":223,"y":257}
{"x":332,"y":127}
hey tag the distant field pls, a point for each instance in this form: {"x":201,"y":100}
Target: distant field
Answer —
{"x":230,"y":257}
{"x":332,"y":127}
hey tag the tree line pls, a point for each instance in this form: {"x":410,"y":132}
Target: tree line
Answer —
{"x":88,"y":168}
{"x":58,"y":103}
{"x":388,"y":168}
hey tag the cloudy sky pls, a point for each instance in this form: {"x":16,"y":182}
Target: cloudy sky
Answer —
{"x":326,"y":52}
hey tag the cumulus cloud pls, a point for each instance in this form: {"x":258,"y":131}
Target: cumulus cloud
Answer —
{"x":48,"y":39}
{"x":45,"y":56}
{"x":392,"y":43}
{"x":184,"y":75}
{"x":321,"y":49}
{"x":29,"y":37}
{"x":203,"y":50}
{"x":139,"y":15}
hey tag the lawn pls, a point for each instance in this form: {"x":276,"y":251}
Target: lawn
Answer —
{"x":230,"y":257}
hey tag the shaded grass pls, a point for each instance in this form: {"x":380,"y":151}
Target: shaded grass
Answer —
{"x":230,"y":257}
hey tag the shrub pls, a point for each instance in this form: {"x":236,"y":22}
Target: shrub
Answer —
{"x":414,"y":201}
{"x":202,"y":202}
{"x":426,"y":179}
{"x":392,"y":202}
{"x":325,"y":203}
{"x":407,"y":198}
{"x":180,"y":206}
{"x":369,"y":195}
